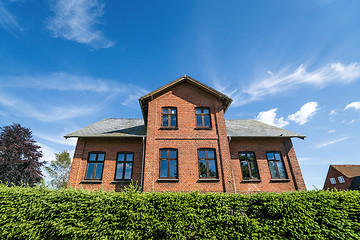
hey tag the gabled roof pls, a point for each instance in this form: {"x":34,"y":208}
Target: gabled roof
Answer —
{"x":148,"y":97}
{"x":113,"y":127}
{"x":348,"y":170}
{"x":127,"y":127}
{"x":253,"y":128}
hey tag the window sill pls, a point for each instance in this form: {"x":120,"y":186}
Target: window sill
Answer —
{"x":208,"y":180}
{"x":91,"y":181}
{"x":203,"y":128}
{"x":168,"y":180}
{"x":121,"y":181}
{"x":251,"y":181}
{"x":168,"y":128}
{"x":280,"y":180}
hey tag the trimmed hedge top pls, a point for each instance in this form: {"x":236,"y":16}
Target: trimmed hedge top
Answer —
{"x":40,"y":213}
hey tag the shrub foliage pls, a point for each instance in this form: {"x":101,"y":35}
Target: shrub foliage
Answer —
{"x":40,"y":213}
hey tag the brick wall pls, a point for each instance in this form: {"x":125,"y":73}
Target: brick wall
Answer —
{"x":333,"y":173}
{"x":111,"y":146}
{"x":186,"y":139}
{"x":260,"y":146}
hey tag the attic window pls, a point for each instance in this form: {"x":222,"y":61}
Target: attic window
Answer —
{"x":332,"y":180}
{"x":203,"y":117}
{"x":169,"y":117}
{"x":341,"y":179}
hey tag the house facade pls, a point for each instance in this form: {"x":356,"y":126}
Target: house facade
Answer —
{"x":343,"y":177}
{"x":184,"y":143}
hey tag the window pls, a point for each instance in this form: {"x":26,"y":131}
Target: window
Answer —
{"x":95,"y":165}
{"x":202,"y":117}
{"x":248,"y":165}
{"x":341,"y":179}
{"x":168,"y":163}
{"x":124,"y":163}
{"x":169,"y":117}
{"x":332,"y":180}
{"x":207,"y":163}
{"x":276,"y":165}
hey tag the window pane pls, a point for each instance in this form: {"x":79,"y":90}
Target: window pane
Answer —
{"x":242,"y":156}
{"x":90,"y":171}
{"x":173,"y":120}
{"x":254,"y":172}
{"x":245,"y":169}
{"x":270,"y":156}
{"x":172,"y":154}
{"x":273,"y":170}
{"x":212,"y":168}
{"x":173,"y":168}
{"x":207,"y":121}
{"x":101,"y":157}
{"x":203,"y":172}
{"x":277,"y":156}
{"x":199,"y":121}
{"x":173,"y":111}
{"x":163,"y":154}
{"x":198,"y":111}
{"x":251,"y":156}
{"x":205,"y":110}
{"x":165,"y":120}
{"x":98,"y":172}
{"x":281,"y":169}
{"x":92,"y":157}
{"x":211,"y":154}
{"x":165,"y":110}
{"x":121,"y":157}
{"x":128,"y":168}
{"x":163,"y":168}
{"x":119,"y":171}
{"x":129,"y":157}
{"x":201,"y":154}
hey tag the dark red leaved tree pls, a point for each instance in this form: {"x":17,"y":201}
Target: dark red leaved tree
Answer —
{"x":19,"y":156}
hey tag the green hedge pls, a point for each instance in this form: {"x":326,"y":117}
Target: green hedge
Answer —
{"x":40,"y":213}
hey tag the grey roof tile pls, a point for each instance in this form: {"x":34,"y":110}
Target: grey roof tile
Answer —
{"x":129,"y":127}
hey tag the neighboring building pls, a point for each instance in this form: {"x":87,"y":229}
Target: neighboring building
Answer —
{"x":184,"y":143}
{"x":343,"y":177}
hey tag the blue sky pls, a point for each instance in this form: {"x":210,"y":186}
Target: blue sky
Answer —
{"x":295,"y":64}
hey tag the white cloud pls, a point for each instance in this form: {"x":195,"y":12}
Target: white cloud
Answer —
{"x":333,"y":112}
{"x":354,"y":105}
{"x":269,"y":117}
{"x":331,"y":131}
{"x":59,"y":139}
{"x":8,"y":20}
{"x":286,"y":80}
{"x":305,"y":113}
{"x":49,"y":114}
{"x":76,"y":20}
{"x":332,"y":142}
{"x":352,"y":121}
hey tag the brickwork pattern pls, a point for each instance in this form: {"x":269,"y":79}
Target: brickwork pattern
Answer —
{"x":333,"y":173}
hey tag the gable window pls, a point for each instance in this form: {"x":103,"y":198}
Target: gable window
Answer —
{"x":168,"y":163}
{"x":248,"y":165}
{"x":276,"y":165}
{"x":341,"y":179}
{"x":95,"y":165}
{"x":169,"y":117}
{"x":332,"y":180}
{"x":207,"y":163}
{"x":124,"y":164}
{"x":203,"y":117}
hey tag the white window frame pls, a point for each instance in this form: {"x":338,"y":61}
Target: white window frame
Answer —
{"x":341,"y":179}
{"x":332,"y":180}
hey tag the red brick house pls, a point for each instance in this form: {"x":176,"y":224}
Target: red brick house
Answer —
{"x":184,"y":143}
{"x":343,"y":177}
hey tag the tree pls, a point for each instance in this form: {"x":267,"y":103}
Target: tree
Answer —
{"x":19,"y":156}
{"x":59,"y":169}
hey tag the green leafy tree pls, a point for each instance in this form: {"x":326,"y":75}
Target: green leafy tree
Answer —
{"x":59,"y":170}
{"x":19,"y":156}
